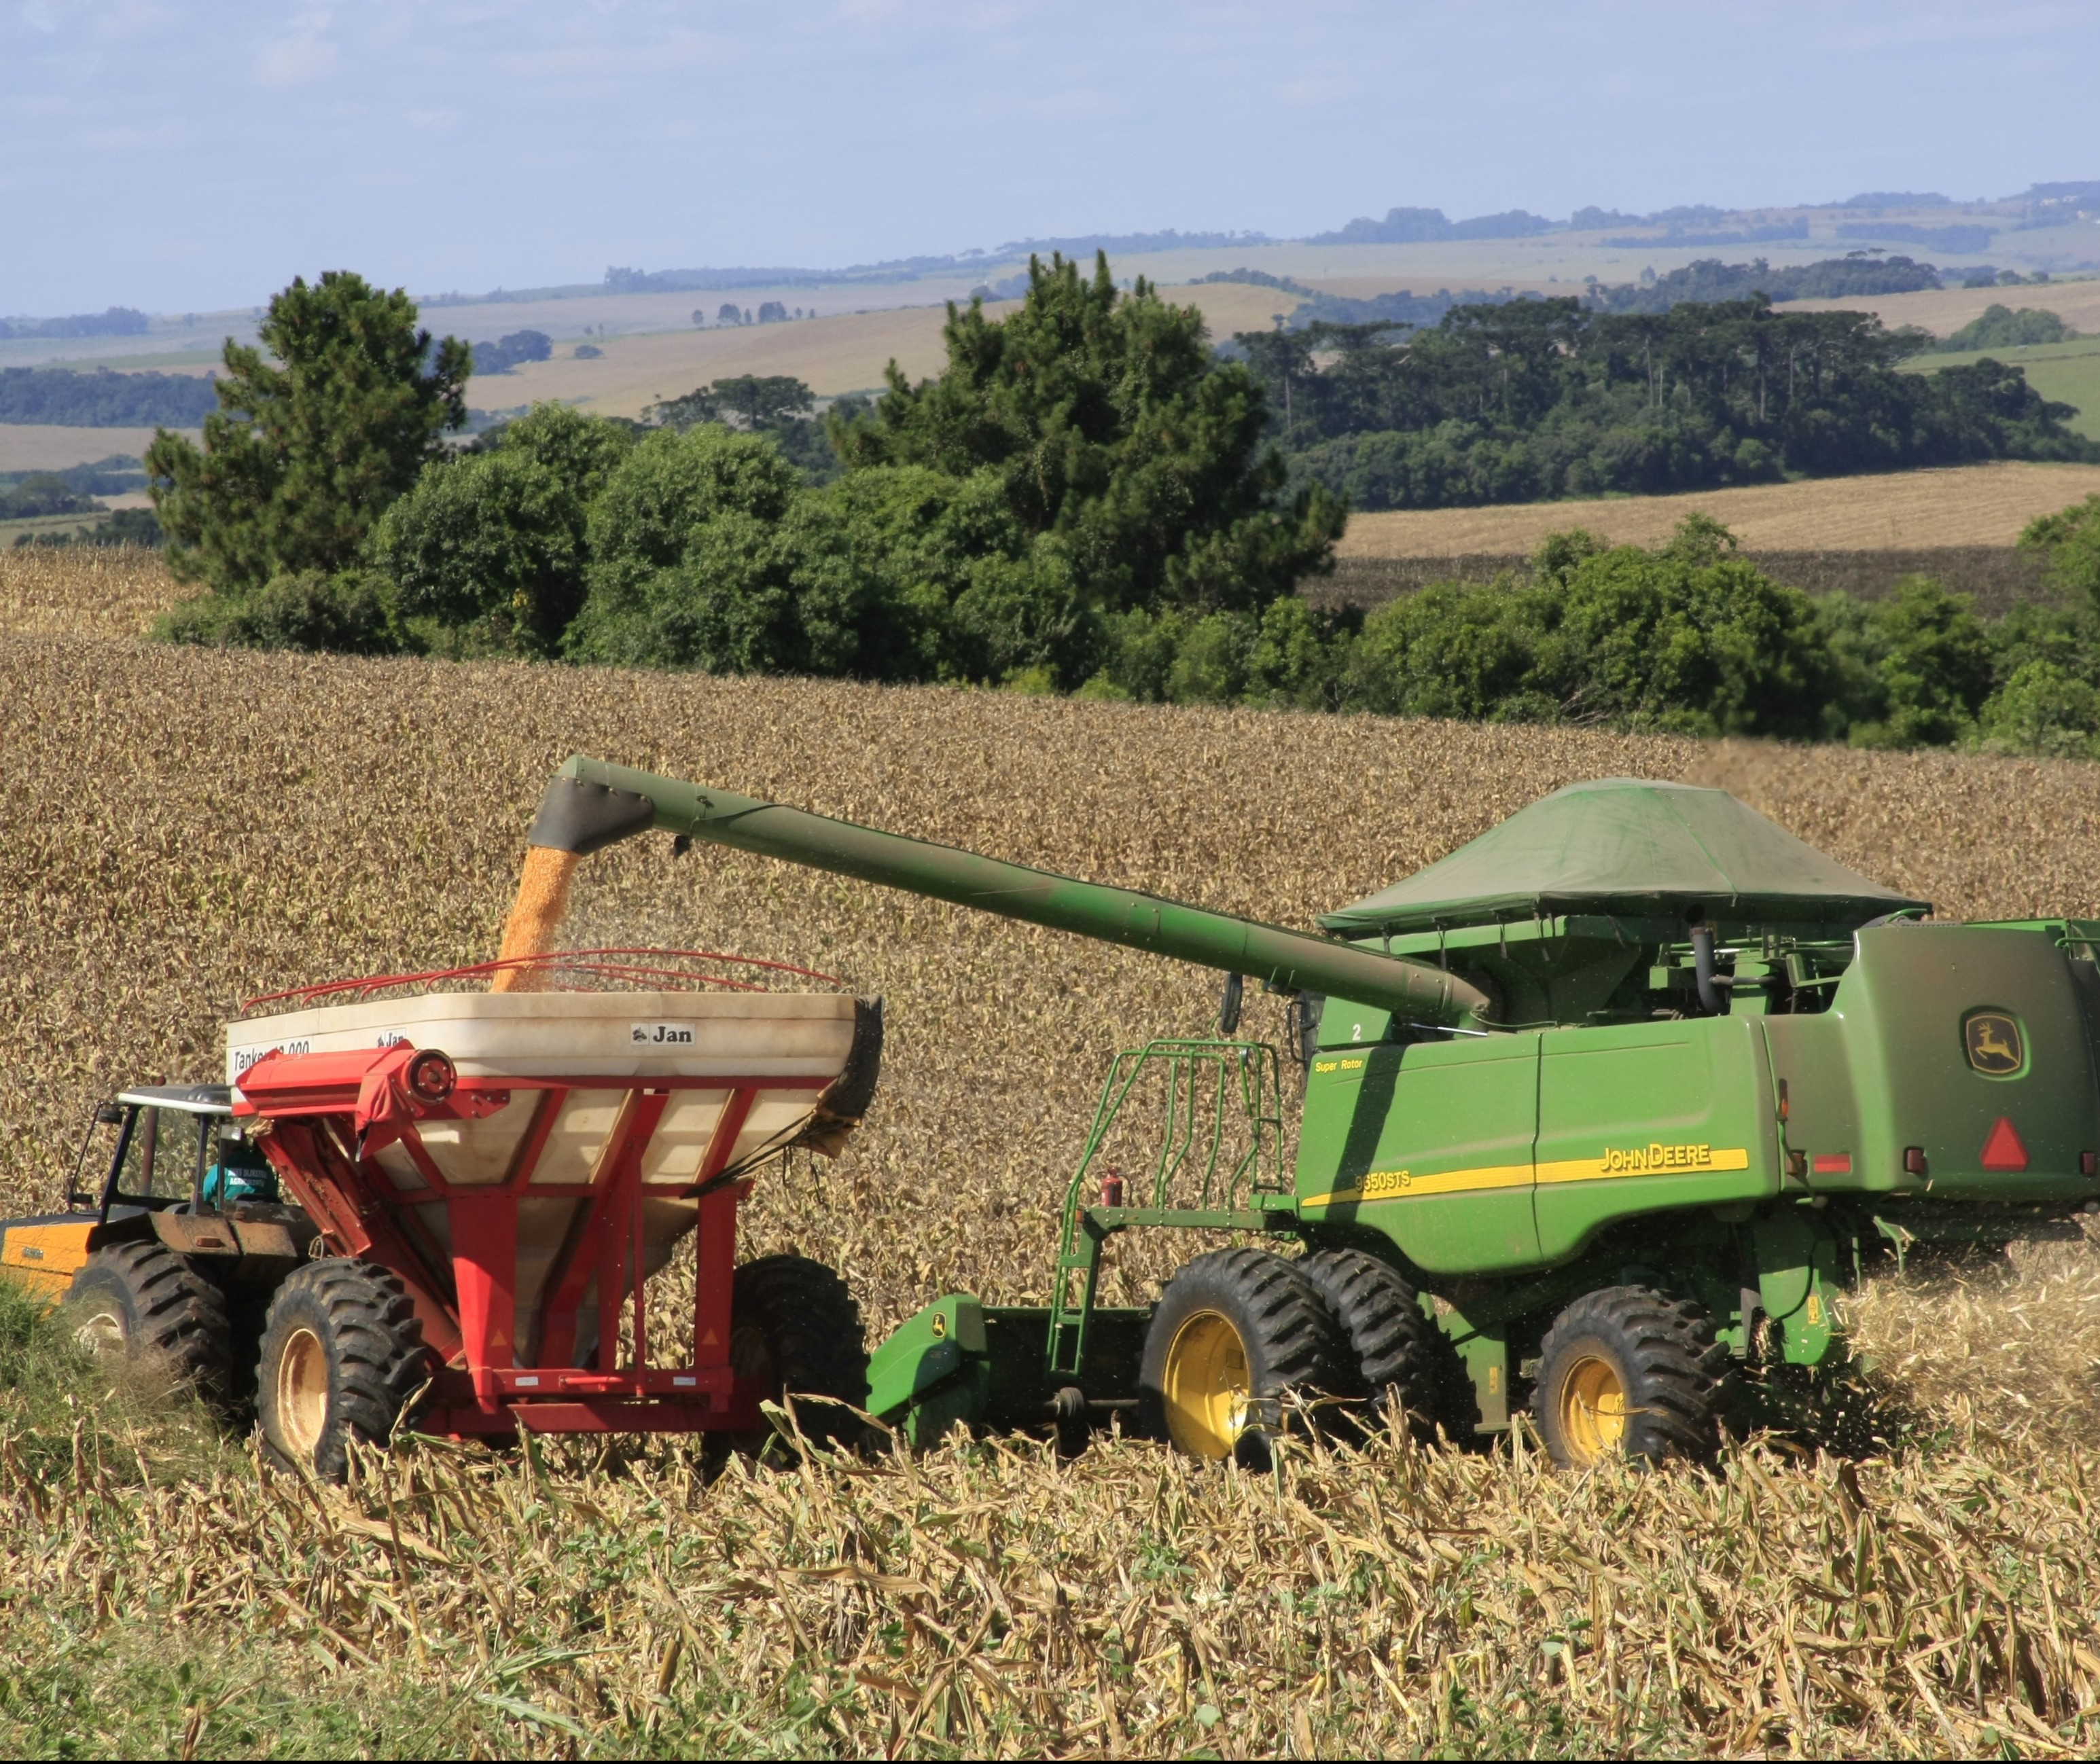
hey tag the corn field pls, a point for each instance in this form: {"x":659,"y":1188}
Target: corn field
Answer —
{"x":188,"y":828}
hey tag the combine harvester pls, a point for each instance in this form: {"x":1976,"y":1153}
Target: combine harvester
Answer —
{"x":1598,"y":1109}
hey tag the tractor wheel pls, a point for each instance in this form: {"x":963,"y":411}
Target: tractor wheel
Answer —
{"x":1626,"y":1371}
{"x":1398,"y":1353}
{"x":145,"y":1301}
{"x":342,"y":1353}
{"x":1236,"y":1333}
{"x":795,"y":1331}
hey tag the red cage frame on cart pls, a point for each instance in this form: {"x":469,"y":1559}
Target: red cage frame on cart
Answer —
{"x":329,"y":1115}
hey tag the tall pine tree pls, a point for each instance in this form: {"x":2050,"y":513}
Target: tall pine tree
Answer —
{"x":318,"y":430}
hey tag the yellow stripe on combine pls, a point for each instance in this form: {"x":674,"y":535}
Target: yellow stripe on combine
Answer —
{"x":1653,"y":1160}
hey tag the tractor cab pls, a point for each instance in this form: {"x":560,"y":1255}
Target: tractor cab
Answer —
{"x":178,"y":1149}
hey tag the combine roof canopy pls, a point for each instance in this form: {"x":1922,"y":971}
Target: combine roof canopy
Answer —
{"x":1629,"y":846}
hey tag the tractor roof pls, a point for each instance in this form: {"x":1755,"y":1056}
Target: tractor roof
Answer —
{"x":1630,"y":847}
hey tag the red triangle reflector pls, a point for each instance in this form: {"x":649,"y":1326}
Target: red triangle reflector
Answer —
{"x":2003,"y":1150}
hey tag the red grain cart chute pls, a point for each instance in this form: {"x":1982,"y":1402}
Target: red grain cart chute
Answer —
{"x":520,"y":1162}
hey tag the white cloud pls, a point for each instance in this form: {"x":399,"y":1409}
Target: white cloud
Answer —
{"x":303,"y":54}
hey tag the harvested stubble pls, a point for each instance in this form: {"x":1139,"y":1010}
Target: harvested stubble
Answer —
{"x":185,"y":828}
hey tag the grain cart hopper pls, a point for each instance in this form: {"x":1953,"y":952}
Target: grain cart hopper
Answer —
{"x":1598,"y":1108}
{"x":415,"y":1191}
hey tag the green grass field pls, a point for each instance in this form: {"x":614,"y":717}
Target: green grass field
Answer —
{"x":2068,"y":372}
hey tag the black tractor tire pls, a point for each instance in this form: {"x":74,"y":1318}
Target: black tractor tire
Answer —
{"x":152,"y":1304}
{"x":1629,"y":1371}
{"x":1396,"y":1353}
{"x":343,"y":1354}
{"x":795,"y":1329}
{"x":1237,"y":1336}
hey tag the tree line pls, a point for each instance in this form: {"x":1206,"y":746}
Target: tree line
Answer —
{"x":1083,"y":458}
{"x":1532,"y":399}
{"x":103,"y":399}
{"x":1086,"y":501}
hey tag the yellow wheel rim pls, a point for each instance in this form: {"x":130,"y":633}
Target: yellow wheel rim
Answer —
{"x":1593,"y":1409}
{"x":1206,"y":1386}
{"x":302,"y":1392}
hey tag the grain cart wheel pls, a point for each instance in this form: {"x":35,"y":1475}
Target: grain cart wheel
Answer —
{"x":342,"y":1352}
{"x":1626,"y":1371}
{"x":1236,"y":1332}
{"x":1398,"y":1352}
{"x":795,"y":1328}
{"x":146,"y":1303}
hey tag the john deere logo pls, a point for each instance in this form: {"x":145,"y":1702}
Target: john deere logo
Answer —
{"x":1993,"y":1041}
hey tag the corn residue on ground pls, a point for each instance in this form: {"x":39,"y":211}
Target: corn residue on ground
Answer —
{"x":186,"y":829}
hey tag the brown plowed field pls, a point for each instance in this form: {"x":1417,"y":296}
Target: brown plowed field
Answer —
{"x":1960,"y":506}
{"x":184,"y":828}
{"x":1941,"y":311}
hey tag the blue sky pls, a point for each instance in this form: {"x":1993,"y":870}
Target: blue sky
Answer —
{"x":176,"y":155}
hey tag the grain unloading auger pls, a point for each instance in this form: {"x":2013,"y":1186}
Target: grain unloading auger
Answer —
{"x":1600,"y":1107}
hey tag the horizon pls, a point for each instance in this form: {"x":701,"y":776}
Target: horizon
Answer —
{"x":525,"y":145}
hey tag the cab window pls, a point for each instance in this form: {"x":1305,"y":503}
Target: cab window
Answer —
{"x":160,"y":1164}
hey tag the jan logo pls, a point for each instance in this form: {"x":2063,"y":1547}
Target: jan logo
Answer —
{"x":661,"y":1035}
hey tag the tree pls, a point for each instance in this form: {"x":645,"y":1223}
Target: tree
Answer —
{"x":2071,"y":541}
{"x":691,"y":566}
{"x":491,"y":547}
{"x":320,"y":428}
{"x":1117,"y":442}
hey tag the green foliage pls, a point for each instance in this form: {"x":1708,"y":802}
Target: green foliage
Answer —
{"x":103,"y":399}
{"x":351,"y":612}
{"x":2001,"y":328}
{"x":512,"y":352}
{"x":1114,"y":436}
{"x":321,"y":427}
{"x":491,"y":547}
{"x":34,"y":494}
{"x":1709,"y":280}
{"x":1529,"y":400}
{"x":2071,"y":541}
{"x":690,"y":564}
{"x":2043,"y":709}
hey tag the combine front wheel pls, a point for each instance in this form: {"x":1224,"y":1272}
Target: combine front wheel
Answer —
{"x":342,"y":1352}
{"x":1626,"y":1371}
{"x":1238,"y":1332}
{"x":146,"y":1303}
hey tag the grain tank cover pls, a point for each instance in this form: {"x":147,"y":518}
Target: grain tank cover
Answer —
{"x":1630,"y":847}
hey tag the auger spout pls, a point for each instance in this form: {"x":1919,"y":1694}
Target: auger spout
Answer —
{"x":589,"y":804}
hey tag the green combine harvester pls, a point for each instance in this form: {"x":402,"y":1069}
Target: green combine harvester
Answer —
{"x":1598,"y":1111}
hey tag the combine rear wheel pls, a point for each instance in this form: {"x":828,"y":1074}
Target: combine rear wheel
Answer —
{"x":1626,"y":1371}
{"x":796,"y":1331}
{"x":146,"y":1303}
{"x":1238,"y":1333}
{"x":1399,"y":1352}
{"x":342,"y":1352}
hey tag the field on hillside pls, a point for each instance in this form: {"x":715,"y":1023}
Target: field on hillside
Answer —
{"x":1942,"y":310}
{"x":185,"y":829}
{"x":1959,"y":506}
{"x":2068,"y":373}
{"x":845,"y":353}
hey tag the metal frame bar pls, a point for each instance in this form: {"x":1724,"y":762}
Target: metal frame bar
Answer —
{"x":468,"y":1299}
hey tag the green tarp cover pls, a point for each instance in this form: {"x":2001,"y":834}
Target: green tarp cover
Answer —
{"x":1629,"y":846}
